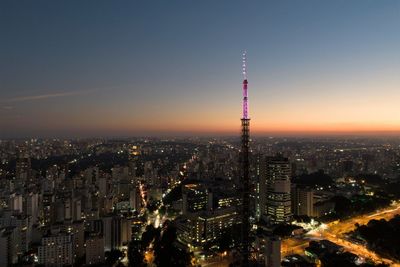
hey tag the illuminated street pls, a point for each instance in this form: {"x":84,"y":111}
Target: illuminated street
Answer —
{"x":335,"y":233}
{"x":217,"y":261}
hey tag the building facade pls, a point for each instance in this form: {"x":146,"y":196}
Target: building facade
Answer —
{"x":275,"y":197}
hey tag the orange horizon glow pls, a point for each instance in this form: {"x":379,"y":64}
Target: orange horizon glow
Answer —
{"x":257,"y":130}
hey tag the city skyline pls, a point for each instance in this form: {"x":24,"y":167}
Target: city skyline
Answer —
{"x":80,"y":70}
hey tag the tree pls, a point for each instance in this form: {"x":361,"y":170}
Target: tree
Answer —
{"x":135,"y":254}
{"x":148,"y":235}
{"x":166,"y":253}
{"x":317,"y":178}
{"x":113,"y":256}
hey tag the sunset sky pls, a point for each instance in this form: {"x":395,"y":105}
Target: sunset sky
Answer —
{"x":126,"y":68}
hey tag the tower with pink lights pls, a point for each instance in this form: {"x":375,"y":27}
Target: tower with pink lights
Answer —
{"x":244,"y":156}
{"x":245,"y":95}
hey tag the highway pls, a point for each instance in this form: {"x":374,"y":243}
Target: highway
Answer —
{"x":335,"y":231}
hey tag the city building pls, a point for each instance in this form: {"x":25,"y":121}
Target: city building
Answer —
{"x":16,"y":202}
{"x":273,"y":252}
{"x":23,"y":171}
{"x":31,"y":206}
{"x":94,"y":248}
{"x":302,"y":200}
{"x":117,"y":232}
{"x":56,"y":249}
{"x":8,"y":246}
{"x":196,"y":197}
{"x":202,"y":228}
{"x":275,"y":198}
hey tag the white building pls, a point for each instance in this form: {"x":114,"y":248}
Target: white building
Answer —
{"x":56,"y":250}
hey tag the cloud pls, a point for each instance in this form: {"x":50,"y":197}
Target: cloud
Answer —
{"x":45,"y":96}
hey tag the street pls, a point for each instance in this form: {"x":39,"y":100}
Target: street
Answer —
{"x":335,"y":231}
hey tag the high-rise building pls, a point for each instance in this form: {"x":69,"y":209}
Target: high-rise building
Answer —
{"x":8,"y":251}
{"x":76,"y":209}
{"x":48,"y":208}
{"x":16,"y":202}
{"x":91,"y":175}
{"x":196,"y":197}
{"x":302,"y":201}
{"x":59,"y":210}
{"x":103,"y":185}
{"x":203,"y":228}
{"x":117,"y":231}
{"x":56,"y":249}
{"x":273,"y":252}
{"x":22,"y":171}
{"x":135,"y":198}
{"x":21,"y":230}
{"x":77,"y":230}
{"x":275,"y":202}
{"x":31,"y":206}
{"x":94,"y":248}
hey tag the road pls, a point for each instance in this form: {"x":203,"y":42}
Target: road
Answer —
{"x":335,"y":232}
{"x":217,"y":261}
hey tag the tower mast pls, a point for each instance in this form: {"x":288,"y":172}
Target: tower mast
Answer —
{"x":245,"y":170}
{"x":245,"y":100}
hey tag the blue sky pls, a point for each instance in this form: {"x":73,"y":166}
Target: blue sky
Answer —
{"x":82,"y":68}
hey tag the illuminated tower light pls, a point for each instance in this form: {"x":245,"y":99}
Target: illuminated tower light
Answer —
{"x":245,"y":95}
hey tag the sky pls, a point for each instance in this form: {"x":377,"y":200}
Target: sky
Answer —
{"x":129,"y":68}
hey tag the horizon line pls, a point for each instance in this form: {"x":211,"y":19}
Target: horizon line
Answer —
{"x":189,"y":134}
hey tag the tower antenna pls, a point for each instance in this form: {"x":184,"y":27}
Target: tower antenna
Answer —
{"x":244,"y":157}
{"x":245,"y":96}
{"x":244,"y":65}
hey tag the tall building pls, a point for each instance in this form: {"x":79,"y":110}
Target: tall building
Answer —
{"x":302,"y":201}
{"x":78,"y":237}
{"x":76,"y":209}
{"x":117,"y":231}
{"x":94,"y":249}
{"x":16,"y":202}
{"x":91,"y":175}
{"x":56,"y":249}
{"x":8,"y":246}
{"x":48,"y":208}
{"x":273,"y":252}
{"x":31,"y":206}
{"x":196,"y":197}
{"x":135,"y":199}
{"x":203,"y":228}
{"x":21,"y":230}
{"x":275,"y":198}
{"x":22,"y":171}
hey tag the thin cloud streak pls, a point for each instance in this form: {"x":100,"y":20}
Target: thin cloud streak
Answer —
{"x":46,"y":96}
